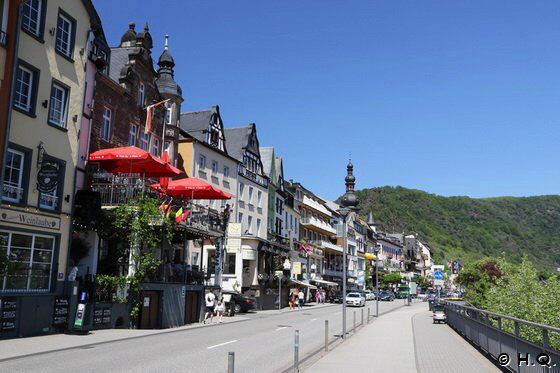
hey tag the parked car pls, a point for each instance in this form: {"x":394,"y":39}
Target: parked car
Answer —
{"x":387,"y":296}
{"x":335,"y":297}
{"x":439,"y":315}
{"x":355,"y":299}
{"x":369,"y":295}
{"x":242,"y":303}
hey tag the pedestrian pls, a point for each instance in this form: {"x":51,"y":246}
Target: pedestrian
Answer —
{"x":318,"y":296}
{"x":220,"y":308}
{"x":291,"y":299}
{"x":300,"y":299}
{"x":323,"y":295}
{"x":210,"y":300}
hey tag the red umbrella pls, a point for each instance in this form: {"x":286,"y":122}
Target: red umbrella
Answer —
{"x":193,"y":188}
{"x":130,"y":159}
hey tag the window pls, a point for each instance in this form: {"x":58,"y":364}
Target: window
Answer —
{"x":250,"y":195}
{"x":168,"y":113}
{"x":156,"y":146}
{"x":65,"y":34}
{"x":25,"y":87}
{"x":51,"y":199}
{"x":249,"y":224}
{"x":258,"y":227}
{"x":229,"y":265}
{"x":144,"y":140}
{"x":201,"y":162}
{"x":214,"y":167}
{"x":240,"y":218}
{"x":132,"y":135}
{"x":32,"y":12}
{"x":106,"y":124}
{"x":58,"y":108}
{"x":141,"y":94}
{"x":259,"y":198}
{"x":226,"y":171}
{"x":33,"y":256}
{"x":241,"y":189}
{"x":13,"y":176}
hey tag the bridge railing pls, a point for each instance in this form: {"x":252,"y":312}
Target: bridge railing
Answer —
{"x":519,"y":345}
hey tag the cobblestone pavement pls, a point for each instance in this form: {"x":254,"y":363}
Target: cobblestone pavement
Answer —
{"x":440,"y":349}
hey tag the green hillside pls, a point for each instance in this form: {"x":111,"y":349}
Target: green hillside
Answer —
{"x":465,"y":228}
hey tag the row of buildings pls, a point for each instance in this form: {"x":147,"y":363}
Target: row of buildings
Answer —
{"x":64,"y":93}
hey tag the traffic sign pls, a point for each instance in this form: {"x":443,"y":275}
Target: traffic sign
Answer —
{"x":438,"y":275}
{"x":438,"y":283}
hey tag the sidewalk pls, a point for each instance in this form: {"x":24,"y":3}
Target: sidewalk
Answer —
{"x":404,"y":341}
{"x":21,"y":347}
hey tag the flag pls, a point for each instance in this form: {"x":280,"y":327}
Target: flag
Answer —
{"x":305,"y":247}
{"x":148,"y":126}
{"x":168,"y":211}
{"x":178,"y":213}
{"x":183,"y":216}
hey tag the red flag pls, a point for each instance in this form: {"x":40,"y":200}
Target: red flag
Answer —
{"x":148,"y":126}
{"x":307,"y":248}
{"x":183,"y":216}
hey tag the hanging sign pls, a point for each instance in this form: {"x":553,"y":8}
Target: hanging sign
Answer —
{"x":47,"y":178}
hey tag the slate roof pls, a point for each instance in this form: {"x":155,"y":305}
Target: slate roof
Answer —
{"x":278,"y":166}
{"x":237,"y":139}
{"x":119,"y":58}
{"x":266,"y":158}
{"x":195,"y":122}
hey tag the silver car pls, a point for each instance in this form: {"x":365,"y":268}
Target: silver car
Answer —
{"x":355,"y":299}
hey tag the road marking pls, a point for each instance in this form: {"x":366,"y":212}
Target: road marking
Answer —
{"x":336,"y":313}
{"x":282,"y":327}
{"x":221,"y":344}
{"x":313,"y":319}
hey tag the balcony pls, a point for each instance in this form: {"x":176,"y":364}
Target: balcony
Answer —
{"x":177,"y":273}
{"x":203,"y":220}
{"x":316,"y":206}
{"x":259,"y":179}
{"x":317,"y":223}
{"x":327,"y":245}
{"x":333,"y":272}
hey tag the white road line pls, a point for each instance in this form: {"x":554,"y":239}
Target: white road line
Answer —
{"x":221,"y":344}
{"x":313,"y":319}
{"x":280,"y":328}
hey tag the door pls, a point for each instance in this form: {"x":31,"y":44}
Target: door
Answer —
{"x":191,"y":307}
{"x":149,"y":311}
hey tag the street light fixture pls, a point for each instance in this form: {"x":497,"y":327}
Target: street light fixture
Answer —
{"x":349,"y":203}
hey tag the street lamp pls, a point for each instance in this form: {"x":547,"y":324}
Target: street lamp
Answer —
{"x":349,"y":203}
{"x":376,"y":251}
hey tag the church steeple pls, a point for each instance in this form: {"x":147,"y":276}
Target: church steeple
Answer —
{"x":165,"y":81}
{"x":349,"y":199}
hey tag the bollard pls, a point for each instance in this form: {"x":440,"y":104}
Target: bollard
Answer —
{"x":354,"y":328}
{"x":362,"y":323}
{"x":368,"y":315}
{"x":231,"y":362}
{"x":326,"y":335}
{"x":296,"y":352}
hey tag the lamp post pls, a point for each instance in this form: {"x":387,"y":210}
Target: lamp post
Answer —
{"x":349,"y":203}
{"x":376,"y":251}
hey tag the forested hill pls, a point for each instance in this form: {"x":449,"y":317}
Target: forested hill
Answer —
{"x":466,"y":228}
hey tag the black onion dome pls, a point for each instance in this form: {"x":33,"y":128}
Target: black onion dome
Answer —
{"x":130,"y":34}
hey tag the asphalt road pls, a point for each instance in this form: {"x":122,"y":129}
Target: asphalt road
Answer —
{"x":264,"y":343}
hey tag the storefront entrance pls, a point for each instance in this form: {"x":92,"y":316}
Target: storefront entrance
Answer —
{"x":192,"y":307}
{"x":149,"y":310}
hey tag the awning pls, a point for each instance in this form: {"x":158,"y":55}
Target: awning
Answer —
{"x":301,"y":283}
{"x":324,"y":282}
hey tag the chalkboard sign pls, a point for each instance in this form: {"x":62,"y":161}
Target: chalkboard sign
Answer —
{"x":8,"y":307}
{"x":61,"y":310}
{"x":102,"y":316}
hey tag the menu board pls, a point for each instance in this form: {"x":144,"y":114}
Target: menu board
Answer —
{"x":102,"y":316}
{"x":8,"y":313}
{"x":61,"y":310}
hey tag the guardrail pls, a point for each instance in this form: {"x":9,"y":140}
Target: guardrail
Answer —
{"x":520,"y":346}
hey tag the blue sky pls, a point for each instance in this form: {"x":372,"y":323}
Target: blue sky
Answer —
{"x":451,"y":97}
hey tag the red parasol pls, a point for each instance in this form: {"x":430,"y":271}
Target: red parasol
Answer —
{"x":130,"y":159}
{"x":192,"y":188}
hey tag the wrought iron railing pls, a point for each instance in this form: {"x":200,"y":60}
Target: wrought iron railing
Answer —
{"x":518,"y":345}
{"x":12,"y":193}
{"x":177,"y":273}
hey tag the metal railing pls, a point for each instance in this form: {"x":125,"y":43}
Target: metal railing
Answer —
{"x":518,"y":345}
{"x":177,"y":273}
{"x":3,"y":38}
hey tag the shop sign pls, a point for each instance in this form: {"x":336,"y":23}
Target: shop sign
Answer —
{"x":61,"y":308}
{"x":296,"y":268}
{"x":234,"y":238}
{"x":26,"y":218}
{"x":80,"y":315}
{"x":47,"y":178}
{"x":8,"y":312}
{"x":249,"y":254}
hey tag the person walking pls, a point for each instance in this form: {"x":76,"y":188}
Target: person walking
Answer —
{"x":318,"y":296}
{"x":301,"y":296}
{"x":291,"y":299}
{"x":210,"y":303}
{"x":220,"y":308}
